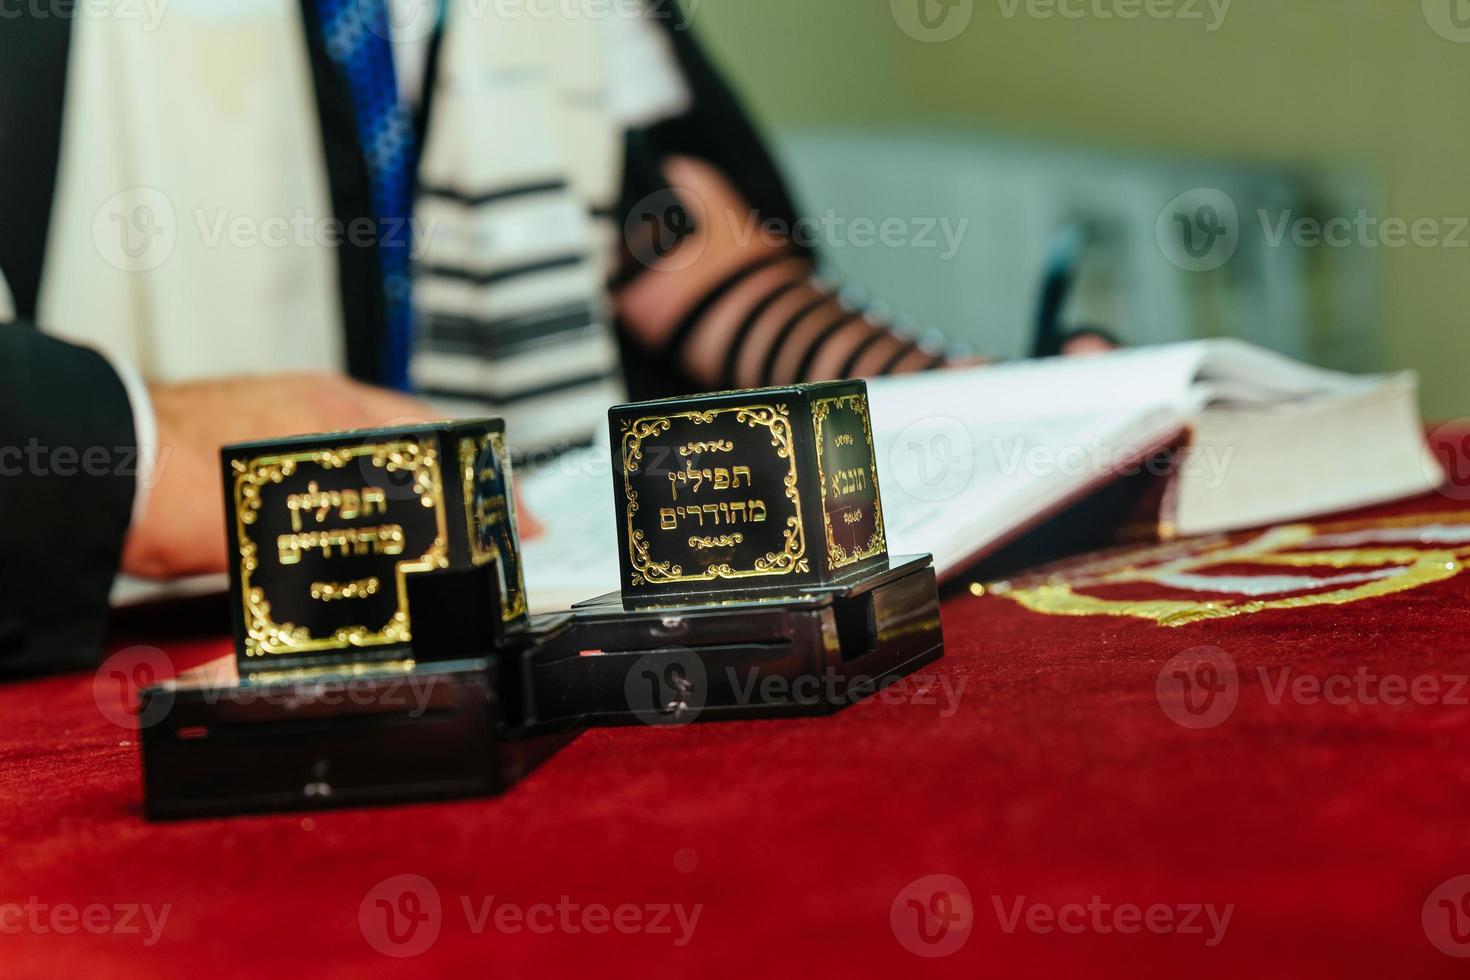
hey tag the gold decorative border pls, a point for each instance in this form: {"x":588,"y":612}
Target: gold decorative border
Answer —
{"x":469,"y":449}
{"x":837,"y":556}
{"x":792,"y":557}
{"x":263,"y":635}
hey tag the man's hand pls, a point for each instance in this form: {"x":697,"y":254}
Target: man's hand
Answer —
{"x":182,"y":530}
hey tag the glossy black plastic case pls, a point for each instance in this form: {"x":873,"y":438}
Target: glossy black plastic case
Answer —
{"x":809,"y":653}
{"x":218,"y":744}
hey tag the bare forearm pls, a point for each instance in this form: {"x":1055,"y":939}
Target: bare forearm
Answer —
{"x":739,"y":311}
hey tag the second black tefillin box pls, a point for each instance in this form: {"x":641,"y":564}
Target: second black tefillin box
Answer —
{"x":756,"y":579}
{"x":381,"y":631}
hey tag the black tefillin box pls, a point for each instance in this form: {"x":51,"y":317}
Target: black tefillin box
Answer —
{"x":381,"y":631}
{"x":330,"y":537}
{"x":756,"y":579}
{"x":758,"y":492}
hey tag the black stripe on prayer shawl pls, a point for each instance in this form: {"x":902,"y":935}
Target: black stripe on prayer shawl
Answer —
{"x":477,"y":199}
{"x":493,"y":276}
{"x":497,"y":338}
{"x":524,"y":394}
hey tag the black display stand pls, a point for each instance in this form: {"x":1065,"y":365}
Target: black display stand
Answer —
{"x":216,"y":744}
{"x":807,"y":654}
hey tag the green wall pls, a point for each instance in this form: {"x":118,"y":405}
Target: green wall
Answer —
{"x":1359,"y":85}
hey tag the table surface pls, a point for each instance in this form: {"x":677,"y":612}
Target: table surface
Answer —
{"x":1112,"y":772}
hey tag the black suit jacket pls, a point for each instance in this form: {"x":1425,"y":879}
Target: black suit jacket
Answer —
{"x":67,"y":449}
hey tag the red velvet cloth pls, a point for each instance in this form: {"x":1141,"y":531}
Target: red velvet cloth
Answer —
{"x":1056,"y":777}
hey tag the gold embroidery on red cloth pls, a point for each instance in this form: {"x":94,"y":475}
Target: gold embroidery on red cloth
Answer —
{"x":1364,"y":559}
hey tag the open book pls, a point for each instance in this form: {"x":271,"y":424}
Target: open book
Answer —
{"x":970,"y":459}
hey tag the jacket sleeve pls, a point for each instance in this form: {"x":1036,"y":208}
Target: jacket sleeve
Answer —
{"x":68,"y":474}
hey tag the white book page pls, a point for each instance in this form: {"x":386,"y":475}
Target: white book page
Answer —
{"x":576,"y":557}
{"x":964,"y":458}
{"x":956,"y":489}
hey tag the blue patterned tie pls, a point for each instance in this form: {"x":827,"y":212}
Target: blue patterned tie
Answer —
{"x":358,"y":42}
